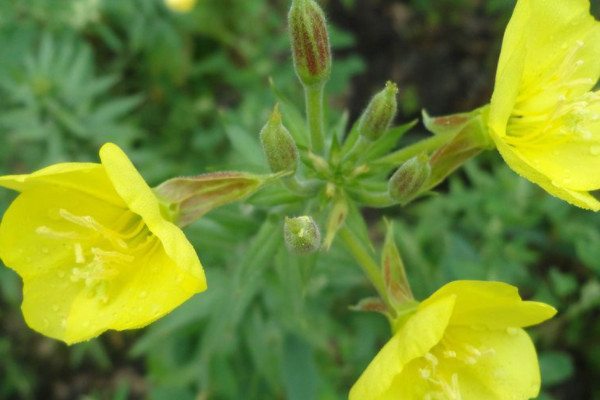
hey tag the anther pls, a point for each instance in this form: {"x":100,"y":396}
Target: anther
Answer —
{"x":432,"y":359}
{"x":79,"y":257}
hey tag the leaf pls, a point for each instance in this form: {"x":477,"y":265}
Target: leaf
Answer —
{"x":389,"y":140}
{"x":293,"y":118}
{"x":244,"y":144}
{"x":300,"y":372}
{"x":555,"y":367}
{"x":244,"y":284}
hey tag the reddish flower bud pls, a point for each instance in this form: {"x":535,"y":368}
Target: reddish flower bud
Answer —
{"x":189,"y":198}
{"x":310,"y":42}
{"x":408,"y":181}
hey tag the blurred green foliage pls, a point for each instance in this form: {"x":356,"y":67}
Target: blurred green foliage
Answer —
{"x":183,"y":94}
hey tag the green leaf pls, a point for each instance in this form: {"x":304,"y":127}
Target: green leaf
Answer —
{"x":389,"y":140}
{"x":300,"y":372}
{"x":556,"y":367}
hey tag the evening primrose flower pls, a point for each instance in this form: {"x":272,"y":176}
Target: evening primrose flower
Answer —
{"x":544,"y":115}
{"x":465,"y":342}
{"x":182,"y":6}
{"x":95,"y":249}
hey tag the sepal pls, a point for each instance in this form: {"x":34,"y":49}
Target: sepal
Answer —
{"x":471,"y":136}
{"x":189,"y":198}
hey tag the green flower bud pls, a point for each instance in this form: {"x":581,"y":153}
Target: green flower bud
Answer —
{"x":302,"y":235}
{"x":279,"y":146}
{"x":380,"y":113}
{"x":310,"y":42}
{"x":406,"y":183}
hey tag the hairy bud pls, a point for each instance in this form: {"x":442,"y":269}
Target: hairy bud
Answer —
{"x":380,"y":113}
{"x":278,"y":145}
{"x":406,"y":183}
{"x":302,"y":235}
{"x":310,"y":42}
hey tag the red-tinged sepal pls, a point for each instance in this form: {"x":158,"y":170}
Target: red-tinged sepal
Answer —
{"x":372,"y":304}
{"x":394,"y":274}
{"x":188,"y":198}
{"x":335,"y":220}
{"x":471,"y":138}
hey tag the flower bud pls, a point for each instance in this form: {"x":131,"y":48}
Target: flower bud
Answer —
{"x":278,"y":145}
{"x":310,"y":42}
{"x":406,"y":183}
{"x":186,"y":199}
{"x":182,"y":6}
{"x":380,"y":113}
{"x":302,"y":235}
{"x":335,"y":220}
{"x":394,"y":275}
{"x":471,"y":137}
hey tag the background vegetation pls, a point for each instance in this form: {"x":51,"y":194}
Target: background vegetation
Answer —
{"x":184,"y":94}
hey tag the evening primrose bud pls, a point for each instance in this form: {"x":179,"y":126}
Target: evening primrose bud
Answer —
{"x":406,"y":183}
{"x":310,"y":42}
{"x":302,"y":235}
{"x":380,"y":113}
{"x":278,"y":145}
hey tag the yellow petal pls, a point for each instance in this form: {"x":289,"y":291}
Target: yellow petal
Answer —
{"x":141,"y":200}
{"x":486,"y":364}
{"x":45,"y":262}
{"x":510,"y":69}
{"x":542,"y":117}
{"x":76,"y":176}
{"x":507,"y":369}
{"x":31,"y":253}
{"x":572,"y":163}
{"x":47,"y":300}
{"x":517,"y":162}
{"x":491,"y":304}
{"x":548,"y":31}
{"x":420,"y":333}
{"x":150,"y":288}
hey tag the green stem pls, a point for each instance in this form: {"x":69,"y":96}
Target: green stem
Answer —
{"x":366,"y":262}
{"x":405,"y":154}
{"x":314,"y":112}
{"x":376,"y":200}
{"x":306,"y":189}
{"x":358,"y":152}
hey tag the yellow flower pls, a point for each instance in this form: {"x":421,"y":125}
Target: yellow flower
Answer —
{"x":181,"y":5}
{"x":544,"y":115}
{"x":94,"y":249}
{"x":465,"y":342}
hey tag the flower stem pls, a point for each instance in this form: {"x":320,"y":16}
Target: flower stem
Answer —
{"x":366,"y":262}
{"x":314,"y":112}
{"x":306,"y":189}
{"x":376,"y":200}
{"x":426,"y":145}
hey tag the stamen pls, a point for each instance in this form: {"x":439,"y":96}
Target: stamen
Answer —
{"x":112,"y":256}
{"x":89,"y":222}
{"x":45,"y":231}
{"x":79,"y":258}
{"x":432,"y":359}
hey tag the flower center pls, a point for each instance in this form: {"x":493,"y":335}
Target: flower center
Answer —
{"x":100,"y":252}
{"x":444,"y":381}
{"x":549,"y":111}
